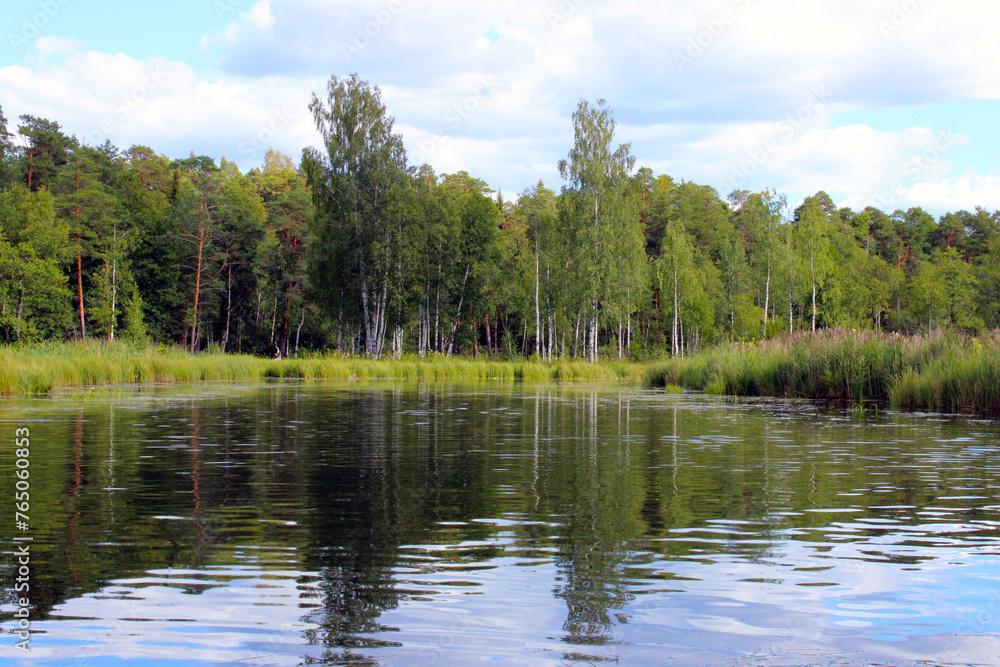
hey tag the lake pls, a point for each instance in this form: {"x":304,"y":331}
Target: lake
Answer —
{"x":458,"y":524}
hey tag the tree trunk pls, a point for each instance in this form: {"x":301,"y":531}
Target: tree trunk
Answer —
{"x":675,"y":335}
{"x":274,"y":317}
{"x":538,"y":317}
{"x":298,"y":331}
{"x":489,"y":338}
{"x":437,"y":312}
{"x":114,"y":297}
{"x":79,"y":287}
{"x":767,"y":294}
{"x":790,"y":326}
{"x":628,"y":314}
{"x":229,"y":304}
{"x":594,"y":333}
{"x":812,"y":271}
{"x":195,"y":334}
{"x":681,"y":331}
{"x":285,"y":326}
{"x":458,"y":315}
{"x":364,"y":314}
{"x":576,"y":333}
{"x":20,"y":305}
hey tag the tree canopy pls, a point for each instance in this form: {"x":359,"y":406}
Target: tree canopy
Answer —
{"x":357,"y":251}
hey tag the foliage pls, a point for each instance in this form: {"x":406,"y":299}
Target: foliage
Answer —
{"x":357,"y":252}
{"x":43,"y":367}
{"x":945,"y":371}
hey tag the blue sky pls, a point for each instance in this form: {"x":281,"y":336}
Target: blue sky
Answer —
{"x":882,"y":102}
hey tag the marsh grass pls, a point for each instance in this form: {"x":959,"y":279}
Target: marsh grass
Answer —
{"x":945,"y":371}
{"x":40,"y":368}
{"x":440,"y":368}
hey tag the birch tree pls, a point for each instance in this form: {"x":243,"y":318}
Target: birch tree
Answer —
{"x":812,"y":230}
{"x":597,"y":174}
{"x":355,"y":181}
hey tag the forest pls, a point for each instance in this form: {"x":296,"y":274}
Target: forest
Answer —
{"x":353,"y":250}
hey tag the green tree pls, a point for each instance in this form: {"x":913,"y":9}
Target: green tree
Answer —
{"x":240,"y":229}
{"x":675,"y":264}
{"x":861,"y":294}
{"x":282,"y":267}
{"x":34,"y":299}
{"x":812,"y":228}
{"x":7,"y":153}
{"x":538,"y":213}
{"x":983,"y":229}
{"x":45,"y":150}
{"x":762,"y":214}
{"x":946,"y":290}
{"x":199,"y":187}
{"x":598,"y":208}
{"x":988,"y":270}
{"x":355,"y":182}
{"x":91,"y":210}
{"x":145,"y":189}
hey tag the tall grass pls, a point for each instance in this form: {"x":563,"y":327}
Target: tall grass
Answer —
{"x":945,"y":371}
{"x":40,"y":368}
{"x":439,"y":368}
{"x":964,"y":379}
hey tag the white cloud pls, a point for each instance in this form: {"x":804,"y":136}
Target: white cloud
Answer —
{"x":946,"y":194}
{"x":260,"y":15}
{"x":164,"y":105}
{"x":753,"y":64}
{"x":46,"y":46}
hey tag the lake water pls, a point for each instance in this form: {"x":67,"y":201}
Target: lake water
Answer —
{"x":462,"y":524}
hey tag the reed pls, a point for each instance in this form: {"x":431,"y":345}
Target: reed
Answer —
{"x":964,"y":379}
{"x":945,"y":371}
{"x":440,"y":368}
{"x":40,"y":368}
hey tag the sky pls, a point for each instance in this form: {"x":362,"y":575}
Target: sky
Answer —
{"x":889,"y":103}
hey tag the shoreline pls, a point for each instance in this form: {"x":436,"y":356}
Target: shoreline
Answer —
{"x":946,"y":372}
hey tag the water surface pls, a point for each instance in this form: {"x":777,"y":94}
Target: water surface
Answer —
{"x":451,"y":524}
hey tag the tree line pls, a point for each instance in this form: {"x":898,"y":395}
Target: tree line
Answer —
{"x":355,"y":250}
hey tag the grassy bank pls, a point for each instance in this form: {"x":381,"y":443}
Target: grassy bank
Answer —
{"x":451,"y":369}
{"x":42,"y":368}
{"x":946,"y":372}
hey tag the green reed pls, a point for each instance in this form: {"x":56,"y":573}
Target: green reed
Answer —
{"x":946,"y":371}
